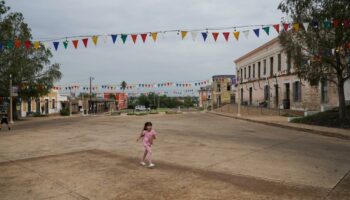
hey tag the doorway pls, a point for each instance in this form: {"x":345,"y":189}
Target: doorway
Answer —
{"x":276,"y":96}
{"x":241,"y":96}
{"x":250,"y":96}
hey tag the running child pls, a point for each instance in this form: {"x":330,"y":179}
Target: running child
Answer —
{"x":147,"y":135}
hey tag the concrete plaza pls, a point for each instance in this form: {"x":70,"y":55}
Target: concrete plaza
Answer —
{"x":197,"y":156}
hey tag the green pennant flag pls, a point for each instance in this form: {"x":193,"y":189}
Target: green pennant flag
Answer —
{"x":327,"y":24}
{"x":266,"y":29}
{"x":9,"y":44}
{"x":124,"y":36}
{"x":65,"y":44}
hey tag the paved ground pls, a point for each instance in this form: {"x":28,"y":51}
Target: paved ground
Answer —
{"x":198,"y":156}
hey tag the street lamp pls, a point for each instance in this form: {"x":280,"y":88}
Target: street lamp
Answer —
{"x":11,"y":91}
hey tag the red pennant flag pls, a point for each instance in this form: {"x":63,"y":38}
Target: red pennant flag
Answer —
{"x":85,"y":41}
{"x":17,"y":43}
{"x":226,"y":35}
{"x":144,"y":36}
{"x":335,"y":23}
{"x":346,"y":23}
{"x":286,"y":26}
{"x":27,"y":44}
{"x":277,"y":27}
{"x":134,"y":38}
{"x":75,"y":43}
{"x":215,"y":35}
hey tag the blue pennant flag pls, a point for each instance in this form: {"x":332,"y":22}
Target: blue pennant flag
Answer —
{"x":205,"y":35}
{"x":55,"y":44}
{"x":114,"y":38}
{"x":1,"y":46}
{"x":256,"y":31}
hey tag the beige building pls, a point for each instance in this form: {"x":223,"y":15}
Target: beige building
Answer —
{"x":266,"y":78}
{"x":223,"y":90}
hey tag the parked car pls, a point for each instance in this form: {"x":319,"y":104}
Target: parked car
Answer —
{"x":141,"y":108}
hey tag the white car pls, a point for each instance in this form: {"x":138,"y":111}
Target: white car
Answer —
{"x":141,"y":108}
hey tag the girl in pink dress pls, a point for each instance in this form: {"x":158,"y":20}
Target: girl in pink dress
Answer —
{"x":148,"y":135}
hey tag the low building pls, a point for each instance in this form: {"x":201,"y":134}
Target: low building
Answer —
{"x":266,"y":78}
{"x":223,"y":90}
{"x":120,"y":98}
{"x":204,"y":97}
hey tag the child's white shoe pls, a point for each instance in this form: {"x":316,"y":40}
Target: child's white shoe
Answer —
{"x":143,"y":163}
{"x":151,"y":165}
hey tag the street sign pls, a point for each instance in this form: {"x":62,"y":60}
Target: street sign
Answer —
{"x":14,"y":91}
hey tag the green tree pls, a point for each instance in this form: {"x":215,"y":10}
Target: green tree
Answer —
{"x":322,"y":52}
{"x":30,"y":68}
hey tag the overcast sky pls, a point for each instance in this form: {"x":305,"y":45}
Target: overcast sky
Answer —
{"x":169,"y":59}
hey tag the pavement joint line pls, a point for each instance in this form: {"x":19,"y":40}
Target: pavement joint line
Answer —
{"x":336,"y":185}
{"x":72,"y":193}
{"x":306,"y":130}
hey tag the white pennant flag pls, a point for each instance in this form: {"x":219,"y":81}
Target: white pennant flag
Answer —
{"x":306,"y":26}
{"x":194,"y":35}
{"x":105,"y":39}
{"x":47,"y":45}
{"x":246,"y":33}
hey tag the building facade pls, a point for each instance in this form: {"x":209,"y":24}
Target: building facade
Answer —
{"x":204,"y":97}
{"x":266,"y":78}
{"x":223,"y":90}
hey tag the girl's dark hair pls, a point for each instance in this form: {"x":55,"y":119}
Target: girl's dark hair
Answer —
{"x":147,"y":124}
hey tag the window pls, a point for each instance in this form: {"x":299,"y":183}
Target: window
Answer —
{"x":266,"y":92}
{"x":289,"y":62}
{"x":53,"y":104}
{"x":241,"y":76}
{"x":271,"y":66}
{"x":245,"y":73}
{"x":228,"y":87}
{"x":249,"y":70}
{"x":265,"y":67}
{"x":259,"y":66}
{"x":297,"y":91}
{"x":279,"y":62}
{"x":253,"y":70}
{"x":218,"y":87}
{"x":324,"y":91}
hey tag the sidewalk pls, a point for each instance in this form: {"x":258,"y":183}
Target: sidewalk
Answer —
{"x":280,"y":121}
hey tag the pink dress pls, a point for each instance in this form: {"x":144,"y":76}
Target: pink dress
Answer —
{"x":148,"y":137}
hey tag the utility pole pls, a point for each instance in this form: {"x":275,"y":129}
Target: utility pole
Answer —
{"x":90,"y":103}
{"x":11,"y":114}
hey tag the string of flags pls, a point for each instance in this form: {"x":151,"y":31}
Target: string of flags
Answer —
{"x":84,"y":41}
{"x":187,"y":84}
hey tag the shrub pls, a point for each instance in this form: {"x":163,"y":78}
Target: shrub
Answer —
{"x":64,"y":112}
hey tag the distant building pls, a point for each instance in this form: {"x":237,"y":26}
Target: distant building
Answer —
{"x":223,"y":90}
{"x":266,"y":78}
{"x":204,"y":97}
{"x":120,"y":98}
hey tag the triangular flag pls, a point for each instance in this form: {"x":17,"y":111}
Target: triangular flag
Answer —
{"x":144,"y":36}
{"x":226,"y":35}
{"x":104,"y":39}
{"x":134,"y":38}
{"x":335,"y":23}
{"x":1,"y":46}
{"x":205,"y":35}
{"x":65,"y":44}
{"x":9,"y":44}
{"x":124,"y":36}
{"x":236,"y":34}
{"x":277,"y":27}
{"x":36,"y":45}
{"x":85,"y":41}
{"x":215,"y":35}
{"x":154,"y":36}
{"x":17,"y":43}
{"x":114,"y":38}
{"x":306,"y":25}
{"x":327,"y":24}
{"x":47,"y":45}
{"x":183,"y":34}
{"x":296,"y":26}
{"x":256,"y":31}
{"x":286,"y":26}
{"x":94,"y":39}
{"x":194,"y":35}
{"x":27,"y":44}
{"x":55,"y":44}
{"x":267,"y":30}
{"x":75,"y":43}
{"x":346,"y":23}
{"x":246,"y":33}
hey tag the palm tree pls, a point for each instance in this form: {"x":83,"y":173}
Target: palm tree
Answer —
{"x":123,"y":87}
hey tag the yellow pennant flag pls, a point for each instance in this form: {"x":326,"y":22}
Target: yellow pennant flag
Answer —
{"x":236,"y":34}
{"x":296,"y":26}
{"x":154,"y":36}
{"x":94,"y":39}
{"x":183,"y":34}
{"x":36,"y":44}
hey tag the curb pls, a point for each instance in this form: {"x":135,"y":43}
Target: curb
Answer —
{"x":317,"y":132}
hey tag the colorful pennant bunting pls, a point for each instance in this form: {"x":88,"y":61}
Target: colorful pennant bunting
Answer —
{"x":183,"y":34}
{"x":144,"y":37}
{"x":267,"y":30}
{"x":306,"y":26}
{"x":75,"y":43}
{"x":215,"y":35}
{"x":194,"y":35}
{"x":124,"y":37}
{"x":277,"y":27}
{"x":226,"y":35}
{"x":85,"y":41}
{"x":246,"y":33}
{"x":55,"y":44}
{"x":27,"y":44}
{"x":114,"y":38}
{"x":94,"y":39}
{"x":256,"y":31}
{"x":36,"y":45}
{"x":296,"y":27}
{"x":154,"y":36}
{"x":65,"y":44}
{"x":236,"y":34}
{"x":134,"y":38}
{"x":205,"y":35}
